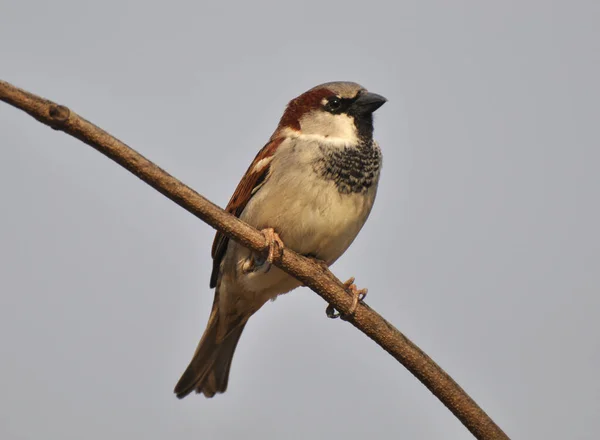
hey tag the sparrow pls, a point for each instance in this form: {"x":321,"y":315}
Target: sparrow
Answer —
{"x":312,"y":187}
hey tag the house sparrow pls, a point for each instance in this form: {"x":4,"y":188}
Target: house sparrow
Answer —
{"x":311,"y":187}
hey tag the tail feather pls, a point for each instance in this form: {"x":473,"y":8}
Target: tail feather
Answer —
{"x":208,"y":372}
{"x":225,"y":359}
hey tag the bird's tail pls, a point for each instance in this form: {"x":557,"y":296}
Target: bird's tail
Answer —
{"x":208,"y":372}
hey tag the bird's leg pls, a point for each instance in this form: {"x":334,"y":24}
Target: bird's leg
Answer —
{"x":262,"y":263}
{"x":357,"y":296}
{"x":274,"y":243}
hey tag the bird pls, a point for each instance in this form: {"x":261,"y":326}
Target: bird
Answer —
{"x":310,"y":188}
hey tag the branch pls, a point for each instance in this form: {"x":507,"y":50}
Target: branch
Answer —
{"x":322,"y":281}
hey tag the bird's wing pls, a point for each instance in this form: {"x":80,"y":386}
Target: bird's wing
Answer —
{"x":254,"y":178}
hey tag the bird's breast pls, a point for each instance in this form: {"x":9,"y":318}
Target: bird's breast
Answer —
{"x":315,"y":201}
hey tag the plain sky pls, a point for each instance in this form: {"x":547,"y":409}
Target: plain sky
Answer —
{"x":482,"y":247}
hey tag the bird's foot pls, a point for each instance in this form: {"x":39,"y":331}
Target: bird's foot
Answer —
{"x":357,"y":296}
{"x":273,"y":248}
{"x":274,"y":243}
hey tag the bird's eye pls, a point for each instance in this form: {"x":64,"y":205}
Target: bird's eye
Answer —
{"x":334,"y":104}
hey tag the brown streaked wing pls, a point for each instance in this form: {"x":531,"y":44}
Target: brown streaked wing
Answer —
{"x":240,"y":198}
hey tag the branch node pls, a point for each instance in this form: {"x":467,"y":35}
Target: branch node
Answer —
{"x":59,"y":115}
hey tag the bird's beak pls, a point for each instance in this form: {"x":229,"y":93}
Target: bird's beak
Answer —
{"x":368,"y":103}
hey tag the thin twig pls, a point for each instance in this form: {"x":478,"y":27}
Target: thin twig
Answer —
{"x":310,"y":273}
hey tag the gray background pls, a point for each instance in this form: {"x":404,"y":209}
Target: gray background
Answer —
{"x":482,"y":246}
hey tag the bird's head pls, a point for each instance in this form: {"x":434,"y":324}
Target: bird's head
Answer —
{"x":336,"y":112}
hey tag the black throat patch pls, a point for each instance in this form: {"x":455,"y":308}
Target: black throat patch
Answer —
{"x":353,"y":169}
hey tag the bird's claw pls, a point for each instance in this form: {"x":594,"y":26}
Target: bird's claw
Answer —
{"x":273,"y":248}
{"x":357,"y":296}
{"x":273,"y":243}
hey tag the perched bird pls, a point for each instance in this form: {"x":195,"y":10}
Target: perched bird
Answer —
{"x":311,"y":187}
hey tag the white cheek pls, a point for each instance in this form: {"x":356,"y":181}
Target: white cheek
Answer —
{"x":323,"y":124}
{"x":342,"y":126}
